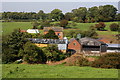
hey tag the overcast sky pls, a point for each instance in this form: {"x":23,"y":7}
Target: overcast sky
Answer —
{"x":29,"y":6}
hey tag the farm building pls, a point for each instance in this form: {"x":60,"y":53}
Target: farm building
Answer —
{"x":32,"y":31}
{"x":74,"y":46}
{"x":58,"y":31}
{"x":62,"y":44}
{"x":87,"y":45}
{"x":113,"y":48}
{"x":93,"y":45}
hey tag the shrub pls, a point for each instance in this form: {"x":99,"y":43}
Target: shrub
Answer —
{"x":100,"y":26}
{"x":114,"y":27}
{"x":77,"y":61}
{"x":110,"y":60}
{"x":63,"y":23}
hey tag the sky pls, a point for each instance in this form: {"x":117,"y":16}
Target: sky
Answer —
{"x":48,"y":6}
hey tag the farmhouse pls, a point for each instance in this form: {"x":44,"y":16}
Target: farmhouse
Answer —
{"x":58,"y":31}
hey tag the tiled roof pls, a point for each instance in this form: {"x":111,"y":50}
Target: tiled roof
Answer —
{"x":56,"y":29}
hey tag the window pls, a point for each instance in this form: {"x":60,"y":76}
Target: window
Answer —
{"x":58,"y":34}
{"x":74,"y":43}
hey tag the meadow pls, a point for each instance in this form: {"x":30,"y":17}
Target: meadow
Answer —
{"x":8,"y":27}
{"x":55,"y":71}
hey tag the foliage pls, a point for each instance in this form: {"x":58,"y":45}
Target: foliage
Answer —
{"x":11,"y":46}
{"x":52,"y":53}
{"x":32,"y":54}
{"x":82,"y":14}
{"x":57,"y":14}
{"x":63,"y":23}
{"x":44,"y":24}
{"x":109,"y":60}
{"x":77,"y":61}
{"x":51,"y":35}
{"x":35,"y":25}
{"x":100,"y":26}
{"x":114,"y":27}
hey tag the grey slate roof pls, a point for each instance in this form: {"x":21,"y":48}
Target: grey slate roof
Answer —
{"x":90,"y":42}
{"x":56,"y":29}
{"x":48,"y":41}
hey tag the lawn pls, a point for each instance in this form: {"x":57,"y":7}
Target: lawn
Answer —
{"x":55,"y":71}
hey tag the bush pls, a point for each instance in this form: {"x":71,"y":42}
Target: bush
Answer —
{"x":114,"y":27}
{"x":100,"y":26}
{"x":77,"y":61}
{"x":63,"y":23}
{"x":110,"y":60}
{"x":52,"y":53}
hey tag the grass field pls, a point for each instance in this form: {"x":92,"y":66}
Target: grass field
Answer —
{"x":8,"y":27}
{"x":55,"y":71}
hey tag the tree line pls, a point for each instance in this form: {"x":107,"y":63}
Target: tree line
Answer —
{"x":82,"y":14}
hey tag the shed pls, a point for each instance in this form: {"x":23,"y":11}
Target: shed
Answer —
{"x":33,"y":31}
{"x":113,"y":48}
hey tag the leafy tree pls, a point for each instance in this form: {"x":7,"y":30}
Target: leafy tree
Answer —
{"x":114,"y":27}
{"x":93,"y":13}
{"x":57,"y":14}
{"x":32,"y":54}
{"x":80,"y":13}
{"x":63,"y":23}
{"x":12,"y":44}
{"x":107,"y":12}
{"x":69,"y":16}
{"x":52,"y":53}
{"x":50,"y":35}
{"x":41,"y":15}
{"x":35,"y":25}
{"x":44,"y":24}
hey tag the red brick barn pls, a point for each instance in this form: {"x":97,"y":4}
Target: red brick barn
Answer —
{"x":74,"y":45}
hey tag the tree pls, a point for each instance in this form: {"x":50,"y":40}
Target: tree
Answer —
{"x":100,"y":26}
{"x":57,"y":14}
{"x":69,"y":16}
{"x":12,"y":44}
{"x":107,"y":12}
{"x":50,"y":35}
{"x":80,"y":13}
{"x":32,"y":54}
{"x":114,"y":27}
{"x":52,"y":53}
{"x":63,"y":23}
{"x":41,"y":15}
{"x":93,"y":13}
{"x":35,"y":25}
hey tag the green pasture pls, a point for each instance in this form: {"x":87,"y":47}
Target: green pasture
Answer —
{"x":8,"y":27}
{"x":55,"y":71}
